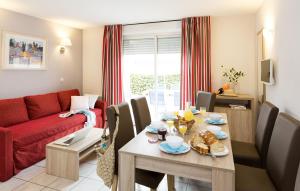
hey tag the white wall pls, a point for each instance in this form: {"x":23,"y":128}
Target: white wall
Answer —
{"x":92,"y":60}
{"x":233,"y":45}
{"x":68,"y":66}
{"x":282,"y":19}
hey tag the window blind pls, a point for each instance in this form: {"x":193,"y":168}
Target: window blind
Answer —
{"x":168,"y":45}
{"x":165,"y":45}
{"x":139,"y":46}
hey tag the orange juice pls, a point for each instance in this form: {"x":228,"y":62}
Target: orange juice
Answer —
{"x":182,"y":129}
{"x":170,"y":123}
{"x":188,"y":115}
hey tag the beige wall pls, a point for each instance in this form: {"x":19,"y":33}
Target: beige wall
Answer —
{"x":67,"y":66}
{"x":92,"y":60}
{"x":233,"y":45}
{"x":282,"y":19}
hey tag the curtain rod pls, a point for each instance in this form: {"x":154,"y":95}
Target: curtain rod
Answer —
{"x":152,"y":22}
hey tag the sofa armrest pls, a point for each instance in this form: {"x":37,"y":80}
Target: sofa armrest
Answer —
{"x":6,"y":154}
{"x":101,"y":104}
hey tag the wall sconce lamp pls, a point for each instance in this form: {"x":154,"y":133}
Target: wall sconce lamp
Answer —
{"x":63,"y":43}
{"x":268,"y":38}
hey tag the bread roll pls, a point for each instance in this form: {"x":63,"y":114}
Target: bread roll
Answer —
{"x":217,"y":147}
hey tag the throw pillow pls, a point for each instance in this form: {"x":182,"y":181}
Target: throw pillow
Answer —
{"x":79,"y":102}
{"x":64,"y":98}
{"x":92,"y":100}
{"x":42,"y":105}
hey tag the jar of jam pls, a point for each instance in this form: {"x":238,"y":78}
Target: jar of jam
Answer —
{"x":162,"y":134}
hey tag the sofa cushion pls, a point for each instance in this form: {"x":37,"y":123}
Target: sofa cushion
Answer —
{"x":42,"y":105}
{"x":79,"y":103}
{"x":12,"y":111}
{"x":64,"y":98}
{"x":36,"y":130}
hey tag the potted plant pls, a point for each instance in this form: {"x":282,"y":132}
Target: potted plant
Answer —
{"x":232,"y":76}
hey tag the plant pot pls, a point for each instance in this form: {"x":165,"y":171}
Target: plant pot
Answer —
{"x":234,"y":87}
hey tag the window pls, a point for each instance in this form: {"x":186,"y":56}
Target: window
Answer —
{"x":151,"y":68}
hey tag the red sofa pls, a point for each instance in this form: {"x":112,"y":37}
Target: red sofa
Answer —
{"x":27,"y":124}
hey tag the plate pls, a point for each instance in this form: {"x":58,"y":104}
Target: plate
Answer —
{"x":221,"y":154}
{"x":216,"y":154}
{"x":188,"y":148}
{"x":219,"y":122}
{"x":213,"y":128}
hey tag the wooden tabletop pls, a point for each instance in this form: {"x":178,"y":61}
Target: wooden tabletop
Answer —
{"x":139,"y":146}
{"x":237,"y":97}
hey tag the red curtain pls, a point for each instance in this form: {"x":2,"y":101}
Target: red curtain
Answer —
{"x":111,"y":64}
{"x":195,"y":58}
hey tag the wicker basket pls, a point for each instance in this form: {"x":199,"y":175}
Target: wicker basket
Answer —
{"x":181,"y":121}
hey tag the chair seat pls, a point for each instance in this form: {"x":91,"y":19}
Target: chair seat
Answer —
{"x":148,"y":178}
{"x":252,"y":179}
{"x":246,"y":154}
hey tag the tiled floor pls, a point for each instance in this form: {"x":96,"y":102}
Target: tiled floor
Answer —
{"x":35,"y":178}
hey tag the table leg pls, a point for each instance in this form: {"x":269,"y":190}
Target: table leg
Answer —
{"x":126,"y":172}
{"x":171,"y":182}
{"x":223,"y":180}
{"x":62,"y":164}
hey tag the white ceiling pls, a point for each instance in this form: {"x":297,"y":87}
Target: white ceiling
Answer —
{"x":88,"y":13}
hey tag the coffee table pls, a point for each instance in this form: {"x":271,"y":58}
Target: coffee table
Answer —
{"x":63,"y":161}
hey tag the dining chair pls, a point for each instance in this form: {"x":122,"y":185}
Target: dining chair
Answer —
{"x":297,"y":183}
{"x":282,"y":160}
{"x":125,"y":134}
{"x":207,"y":100}
{"x":141,"y":113}
{"x":256,"y":154}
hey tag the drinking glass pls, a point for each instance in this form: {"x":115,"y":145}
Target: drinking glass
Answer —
{"x":187,"y":105}
{"x":202,"y":111}
{"x":182,"y":129}
{"x":170,"y":124}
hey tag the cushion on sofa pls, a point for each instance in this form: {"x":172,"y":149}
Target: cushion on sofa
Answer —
{"x":42,"y":105}
{"x":12,"y":111}
{"x":38,"y":129}
{"x":79,"y":103}
{"x":64,"y":98}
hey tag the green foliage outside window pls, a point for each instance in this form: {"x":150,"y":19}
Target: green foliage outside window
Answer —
{"x":140,"y":84}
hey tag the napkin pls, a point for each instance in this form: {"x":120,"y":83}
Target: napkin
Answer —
{"x":194,"y":111}
{"x":168,"y":116}
{"x":169,"y":149}
{"x":152,"y":129}
{"x":216,"y":121}
{"x":221,"y":134}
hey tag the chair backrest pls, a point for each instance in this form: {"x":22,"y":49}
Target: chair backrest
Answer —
{"x":265,"y":124}
{"x":207,"y":100}
{"x":141,"y":113}
{"x":125,"y":132}
{"x":297,"y":184}
{"x":283,"y":154}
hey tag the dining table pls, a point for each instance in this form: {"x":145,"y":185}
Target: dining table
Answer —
{"x":140,"y":153}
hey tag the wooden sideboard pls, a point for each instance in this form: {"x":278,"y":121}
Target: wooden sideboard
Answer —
{"x":242,"y":123}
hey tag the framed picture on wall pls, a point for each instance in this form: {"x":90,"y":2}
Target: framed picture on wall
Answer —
{"x":22,"y":52}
